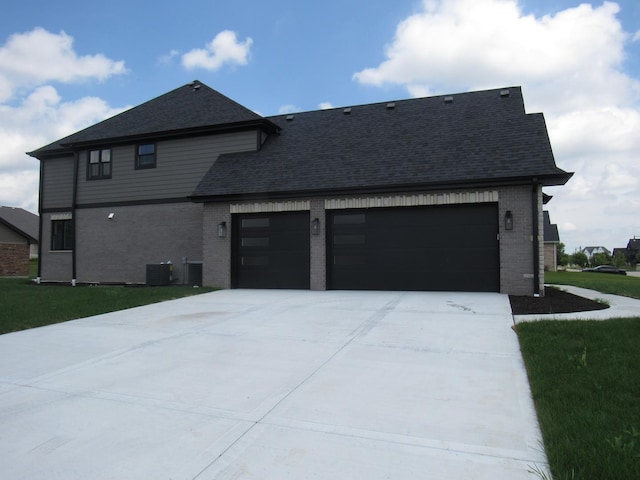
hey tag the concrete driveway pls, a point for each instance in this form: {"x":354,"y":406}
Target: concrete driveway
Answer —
{"x":254,"y":384}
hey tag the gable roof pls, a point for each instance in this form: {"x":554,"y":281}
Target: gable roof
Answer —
{"x":550,"y":229}
{"x":589,"y":251}
{"x":188,"y":109}
{"x":633,"y":244}
{"x":20,"y":221}
{"x":459,"y":140}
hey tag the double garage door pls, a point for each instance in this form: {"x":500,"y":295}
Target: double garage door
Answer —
{"x":443,"y":248}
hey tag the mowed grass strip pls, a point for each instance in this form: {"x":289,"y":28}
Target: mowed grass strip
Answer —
{"x":625,"y":285}
{"x":24,"y":304}
{"x":585,"y":381}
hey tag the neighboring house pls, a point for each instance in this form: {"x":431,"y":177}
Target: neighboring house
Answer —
{"x":633,"y":249}
{"x":551,"y":241}
{"x":621,"y":251}
{"x":591,"y":251}
{"x":438,"y":193}
{"x":18,"y":241}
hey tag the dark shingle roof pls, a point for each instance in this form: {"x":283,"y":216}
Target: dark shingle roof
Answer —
{"x":479,"y":137}
{"x":187,"y":108}
{"x":550,"y":229}
{"x":22,"y":222}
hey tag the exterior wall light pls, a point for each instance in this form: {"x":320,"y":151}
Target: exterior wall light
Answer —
{"x":315,"y":226}
{"x":508,"y":220}
{"x":222,"y":229}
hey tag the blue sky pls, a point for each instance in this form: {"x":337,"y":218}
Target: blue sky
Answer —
{"x":65,"y":65}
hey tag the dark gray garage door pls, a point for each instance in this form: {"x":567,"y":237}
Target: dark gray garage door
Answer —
{"x":443,"y":248}
{"x":271,"y":250}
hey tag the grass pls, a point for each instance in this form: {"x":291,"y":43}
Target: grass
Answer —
{"x":26,"y":305}
{"x":585,"y":381}
{"x":624,"y":285}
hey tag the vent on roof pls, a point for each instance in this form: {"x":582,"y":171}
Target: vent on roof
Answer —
{"x":448,"y":99}
{"x":504,"y":93}
{"x":391,"y":105}
{"x":196,"y":87}
{"x":290,"y":117}
{"x":347,"y":111}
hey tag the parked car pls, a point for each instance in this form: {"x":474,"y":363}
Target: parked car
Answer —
{"x":606,"y":269}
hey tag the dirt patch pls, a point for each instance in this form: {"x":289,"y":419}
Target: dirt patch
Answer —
{"x":554,"y":301}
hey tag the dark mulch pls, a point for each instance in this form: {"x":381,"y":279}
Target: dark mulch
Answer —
{"x":553,"y":301}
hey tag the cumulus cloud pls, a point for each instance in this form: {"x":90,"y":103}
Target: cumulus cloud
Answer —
{"x":167,"y":58}
{"x":570,"y":65}
{"x":325,"y":105}
{"x":284,"y":109}
{"x":39,"y":56}
{"x":32,"y":113}
{"x":223,"y":49}
{"x":39,"y":119}
{"x":460,"y":44}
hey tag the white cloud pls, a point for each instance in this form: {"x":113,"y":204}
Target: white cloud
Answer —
{"x":40,"y":119}
{"x":636,"y":37}
{"x":36,"y":57}
{"x":570,"y":65}
{"x":325,"y":105}
{"x":37,"y":115}
{"x":167,"y":58}
{"x":223,"y":49}
{"x":284,"y":109}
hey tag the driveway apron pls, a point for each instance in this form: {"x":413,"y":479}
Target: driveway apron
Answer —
{"x":267,"y":384}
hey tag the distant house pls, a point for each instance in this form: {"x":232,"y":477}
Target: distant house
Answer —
{"x":438,"y":193}
{"x":621,"y":251}
{"x":591,"y":251}
{"x":18,"y":241}
{"x":551,"y":241}
{"x":631,"y":252}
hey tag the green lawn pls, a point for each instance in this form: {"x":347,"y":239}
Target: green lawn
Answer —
{"x":585,"y":381}
{"x":625,"y":285}
{"x":26,"y":305}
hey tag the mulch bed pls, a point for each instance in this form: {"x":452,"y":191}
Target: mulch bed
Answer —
{"x":554,"y":301}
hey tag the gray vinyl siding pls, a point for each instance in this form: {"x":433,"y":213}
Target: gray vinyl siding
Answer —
{"x":180,"y":165}
{"x":57,"y":182}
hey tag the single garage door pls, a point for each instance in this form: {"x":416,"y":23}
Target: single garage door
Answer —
{"x":442,"y":248}
{"x":271,"y":250}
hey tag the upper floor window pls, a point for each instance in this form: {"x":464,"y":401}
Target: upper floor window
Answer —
{"x":99,"y":164}
{"x":146,"y":156}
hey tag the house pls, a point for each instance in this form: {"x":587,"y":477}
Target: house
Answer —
{"x":18,"y":241}
{"x":591,"y":251}
{"x":551,"y":241}
{"x":631,"y":253}
{"x":436,"y":193}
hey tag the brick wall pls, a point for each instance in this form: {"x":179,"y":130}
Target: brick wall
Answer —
{"x":216,"y":271}
{"x":14,"y":260}
{"x":117,"y":250}
{"x":517,"y":271}
{"x":318,"y":247}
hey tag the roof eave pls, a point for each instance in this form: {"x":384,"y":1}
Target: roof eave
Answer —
{"x":546,"y":180}
{"x":263,"y":124}
{"x":18,"y":230}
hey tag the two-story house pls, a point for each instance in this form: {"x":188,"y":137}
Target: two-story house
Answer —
{"x":437,"y":193}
